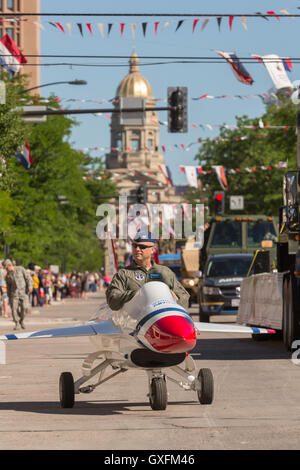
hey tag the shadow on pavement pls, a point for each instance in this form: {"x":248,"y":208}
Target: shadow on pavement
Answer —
{"x":92,"y":407}
{"x":230,"y":349}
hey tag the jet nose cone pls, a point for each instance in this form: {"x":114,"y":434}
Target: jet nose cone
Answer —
{"x":172,"y":334}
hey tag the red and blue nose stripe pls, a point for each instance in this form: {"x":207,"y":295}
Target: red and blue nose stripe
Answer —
{"x":167,"y":331}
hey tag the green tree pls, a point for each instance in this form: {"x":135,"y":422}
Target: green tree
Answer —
{"x":248,"y":148}
{"x":53,"y":206}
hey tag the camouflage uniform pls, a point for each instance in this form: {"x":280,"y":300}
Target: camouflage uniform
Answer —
{"x":18,"y":283}
{"x":129,"y":280}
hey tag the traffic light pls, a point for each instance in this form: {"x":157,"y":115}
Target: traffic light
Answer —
{"x":177,"y":114}
{"x":219,"y":202}
{"x":141,"y":194}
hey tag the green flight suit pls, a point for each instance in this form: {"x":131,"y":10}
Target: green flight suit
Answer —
{"x":129,"y":280}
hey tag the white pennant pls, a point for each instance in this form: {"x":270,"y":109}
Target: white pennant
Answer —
{"x":244,"y":22}
{"x":101,"y":29}
{"x":133,"y":26}
{"x":69,"y":26}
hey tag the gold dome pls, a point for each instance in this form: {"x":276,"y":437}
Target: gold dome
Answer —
{"x":134,"y":84}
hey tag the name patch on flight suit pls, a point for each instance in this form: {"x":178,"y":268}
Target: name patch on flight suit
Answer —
{"x":155,"y":276}
{"x":139,"y":276}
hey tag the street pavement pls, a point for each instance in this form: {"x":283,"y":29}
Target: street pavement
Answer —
{"x":256,"y":404}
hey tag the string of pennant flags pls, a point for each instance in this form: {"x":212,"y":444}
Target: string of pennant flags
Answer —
{"x":193,"y":172}
{"x":187,"y":147}
{"x":199,"y":22}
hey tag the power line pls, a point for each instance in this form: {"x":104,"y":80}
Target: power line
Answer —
{"x":249,"y":15}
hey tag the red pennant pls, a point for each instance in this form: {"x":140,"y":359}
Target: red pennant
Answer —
{"x":156,"y":26}
{"x":230,"y":21}
{"x":60,"y":27}
{"x":273,"y":13}
{"x":122,"y":28}
{"x":89,"y":28}
{"x":181,"y":169}
{"x":195,"y":24}
{"x":163,"y":148}
{"x":257,"y":57}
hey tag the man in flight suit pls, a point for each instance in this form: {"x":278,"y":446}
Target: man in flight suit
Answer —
{"x":19,"y":284}
{"x":127,"y":281}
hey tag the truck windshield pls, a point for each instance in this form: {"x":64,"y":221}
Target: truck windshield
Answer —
{"x":227,"y":234}
{"x":260,"y":230}
{"x":228,"y":267}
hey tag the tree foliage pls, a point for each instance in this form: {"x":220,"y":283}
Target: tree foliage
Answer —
{"x":247,"y":148}
{"x":48,"y":213}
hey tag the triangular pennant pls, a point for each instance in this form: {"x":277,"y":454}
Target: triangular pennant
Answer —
{"x":156,"y":26}
{"x":109,"y":26}
{"x":122,"y":25}
{"x":230,"y":22}
{"x":263,"y":16}
{"x":219,"y":20}
{"x":167,"y":23}
{"x":244,"y":22}
{"x":101,"y":29}
{"x":133,"y":26}
{"x":89,"y":26}
{"x":53,"y":24}
{"x":179,"y":24}
{"x":60,"y":27}
{"x":195,"y":24}
{"x":144,"y":26}
{"x":80,"y":28}
{"x":69,"y":26}
{"x":205,"y":23}
{"x":272,"y":13}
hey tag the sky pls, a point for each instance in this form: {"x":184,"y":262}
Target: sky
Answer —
{"x":261,"y":37}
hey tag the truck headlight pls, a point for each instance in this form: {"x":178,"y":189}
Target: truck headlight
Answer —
{"x":191,"y":282}
{"x":211,"y":290}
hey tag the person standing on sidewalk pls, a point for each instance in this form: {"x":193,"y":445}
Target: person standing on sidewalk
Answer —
{"x":19,"y":286}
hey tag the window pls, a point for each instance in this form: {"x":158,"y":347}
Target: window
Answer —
{"x":10,"y":4}
{"x":10,"y":32}
{"x":0,"y":4}
{"x":260,"y":230}
{"x":135,"y":141}
{"x":227,"y":234}
{"x":229,"y":267}
{"x":150,"y":144}
{"x":135,"y":145}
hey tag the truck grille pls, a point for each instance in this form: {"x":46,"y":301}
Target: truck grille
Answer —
{"x":229,"y":291}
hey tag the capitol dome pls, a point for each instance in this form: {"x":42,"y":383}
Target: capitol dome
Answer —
{"x":134,"y":84}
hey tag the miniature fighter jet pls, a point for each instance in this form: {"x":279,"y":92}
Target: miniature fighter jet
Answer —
{"x":151,"y":332}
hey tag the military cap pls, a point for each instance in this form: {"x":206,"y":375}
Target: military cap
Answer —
{"x":144,"y":237}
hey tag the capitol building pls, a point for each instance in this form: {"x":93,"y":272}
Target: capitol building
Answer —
{"x":135,"y":159}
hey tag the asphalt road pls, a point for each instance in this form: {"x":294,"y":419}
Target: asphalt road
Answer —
{"x":256,"y":403}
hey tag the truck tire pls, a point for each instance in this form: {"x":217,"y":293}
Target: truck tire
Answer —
{"x":290,"y":329}
{"x":203,"y":317}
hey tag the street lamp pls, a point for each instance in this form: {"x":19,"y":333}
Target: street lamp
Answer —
{"x":73,"y":82}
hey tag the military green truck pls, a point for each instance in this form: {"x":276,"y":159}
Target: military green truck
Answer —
{"x":239,"y":234}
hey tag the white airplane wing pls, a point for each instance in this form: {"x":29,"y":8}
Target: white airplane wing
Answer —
{"x":103,"y":328}
{"x":225,"y":328}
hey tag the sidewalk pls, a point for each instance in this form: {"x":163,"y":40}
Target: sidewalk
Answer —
{"x":68,"y":311}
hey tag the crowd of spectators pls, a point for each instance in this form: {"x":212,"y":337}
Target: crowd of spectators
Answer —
{"x":49,"y":287}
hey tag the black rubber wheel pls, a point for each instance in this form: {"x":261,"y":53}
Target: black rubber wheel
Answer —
{"x":66,"y":390}
{"x":203,"y":317}
{"x":288,"y":327}
{"x":206,"y":394}
{"x":158,"y":396}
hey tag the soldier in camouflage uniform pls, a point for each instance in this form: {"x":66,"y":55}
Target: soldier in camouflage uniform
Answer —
{"x":127,"y":281}
{"x":19,"y":286}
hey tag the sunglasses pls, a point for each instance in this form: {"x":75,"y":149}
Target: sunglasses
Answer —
{"x":141,"y":246}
